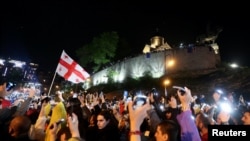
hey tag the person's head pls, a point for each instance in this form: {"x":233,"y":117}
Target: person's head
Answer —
{"x":168,"y":114}
{"x":122,"y":123}
{"x":92,"y":120}
{"x":19,"y":126}
{"x":172,"y":101}
{"x":202,"y":121}
{"x":246,"y":117}
{"x":167,"y":131}
{"x":73,"y":101}
{"x":230,"y":97}
{"x":99,"y":101}
{"x":121,"y":101}
{"x":3,"y":92}
{"x":216,"y":96}
{"x":103,"y":119}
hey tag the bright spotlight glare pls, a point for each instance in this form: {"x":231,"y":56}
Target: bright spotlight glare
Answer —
{"x":2,"y":62}
{"x":162,"y":107}
{"x":192,"y":117}
{"x":226,"y":107}
{"x":219,"y":91}
{"x":233,"y":65}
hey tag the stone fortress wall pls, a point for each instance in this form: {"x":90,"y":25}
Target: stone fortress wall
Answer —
{"x":186,"y":59}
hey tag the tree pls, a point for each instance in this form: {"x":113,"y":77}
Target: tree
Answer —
{"x":100,"y":51}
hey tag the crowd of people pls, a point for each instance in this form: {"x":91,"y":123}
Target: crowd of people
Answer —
{"x":91,"y":117}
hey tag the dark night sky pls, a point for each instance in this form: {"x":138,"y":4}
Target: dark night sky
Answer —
{"x":39,"y":31}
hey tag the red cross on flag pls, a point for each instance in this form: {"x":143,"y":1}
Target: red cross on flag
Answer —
{"x":70,"y":70}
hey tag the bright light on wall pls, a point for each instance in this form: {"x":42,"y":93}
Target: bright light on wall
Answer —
{"x":18,"y":64}
{"x":2,"y":62}
{"x":170,"y":63}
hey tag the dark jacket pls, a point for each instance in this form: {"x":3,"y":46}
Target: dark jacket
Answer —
{"x":109,"y":133}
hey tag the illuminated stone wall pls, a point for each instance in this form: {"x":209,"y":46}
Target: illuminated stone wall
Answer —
{"x":198,"y":58}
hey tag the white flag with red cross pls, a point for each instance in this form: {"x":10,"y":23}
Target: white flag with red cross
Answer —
{"x":70,"y":70}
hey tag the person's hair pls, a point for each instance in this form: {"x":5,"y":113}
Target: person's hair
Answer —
{"x":20,"y":125}
{"x":204,"y":119}
{"x":2,"y":80}
{"x":83,"y":123}
{"x":99,"y":100}
{"x":171,"y":95}
{"x":93,"y":117}
{"x":246,"y":110}
{"x":74,"y":101}
{"x":106,"y":114}
{"x":170,"y":128}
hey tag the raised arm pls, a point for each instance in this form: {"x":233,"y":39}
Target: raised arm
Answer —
{"x":136,"y":117}
{"x":189,"y":131}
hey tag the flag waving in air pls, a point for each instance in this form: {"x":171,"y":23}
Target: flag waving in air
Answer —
{"x":70,"y":70}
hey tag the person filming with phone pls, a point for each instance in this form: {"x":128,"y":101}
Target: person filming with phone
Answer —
{"x":5,"y":89}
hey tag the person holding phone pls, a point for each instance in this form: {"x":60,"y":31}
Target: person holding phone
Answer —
{"x":4,"y":91}
{"x":73,"y":124}
{"x":189,"y":131}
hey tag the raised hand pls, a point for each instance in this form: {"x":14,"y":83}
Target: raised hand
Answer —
{"x":73,"y":125}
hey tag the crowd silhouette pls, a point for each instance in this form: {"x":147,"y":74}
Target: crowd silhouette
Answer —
{"x":91,"y":117}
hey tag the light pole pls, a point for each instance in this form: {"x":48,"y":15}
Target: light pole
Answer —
{"x":166,"y":83}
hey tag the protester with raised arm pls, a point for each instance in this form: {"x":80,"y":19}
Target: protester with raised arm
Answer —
{"x":189,"y":131}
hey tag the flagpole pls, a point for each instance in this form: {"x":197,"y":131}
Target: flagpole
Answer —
{"x":53,"y":79}
{"x":52,"y":83}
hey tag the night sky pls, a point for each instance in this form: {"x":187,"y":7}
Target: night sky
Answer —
{"x":38,"y":31}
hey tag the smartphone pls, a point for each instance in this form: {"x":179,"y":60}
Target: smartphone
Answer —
{"x":155,"y":93}
{"x":125,"y":94}
{"x":181,"y":89}
{"x":10,"y":86}
{"x":46,"y":99}
{"x":57,"y":123}
{"x":139,"y":100}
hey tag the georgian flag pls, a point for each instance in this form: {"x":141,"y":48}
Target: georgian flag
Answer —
{"x":70,"y":70}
